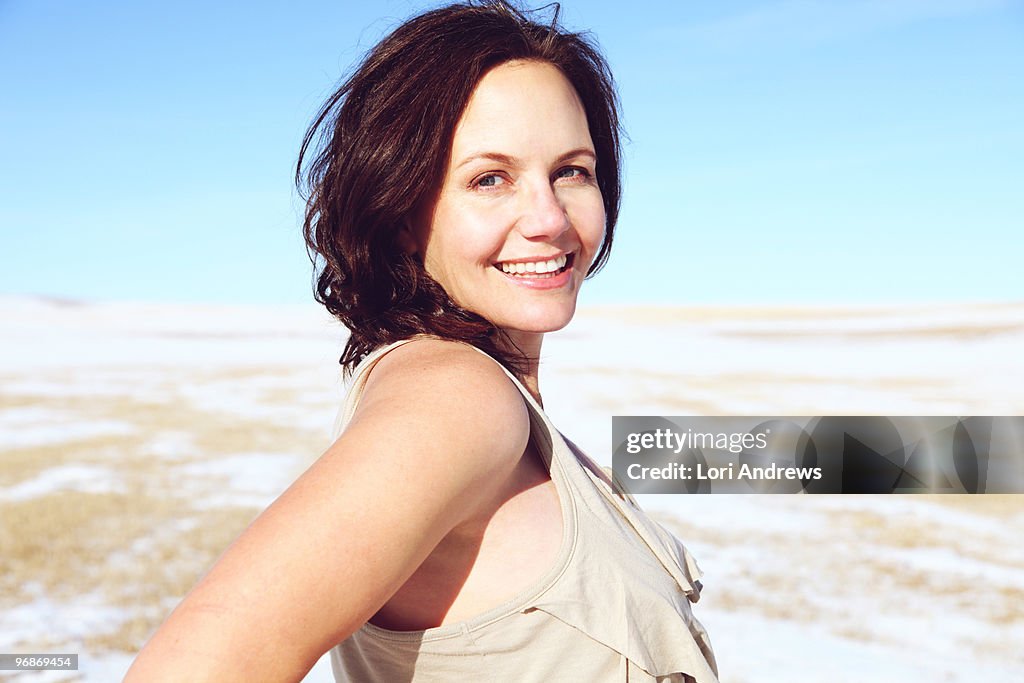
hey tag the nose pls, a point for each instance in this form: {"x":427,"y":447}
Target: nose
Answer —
{"x":542,"y":214}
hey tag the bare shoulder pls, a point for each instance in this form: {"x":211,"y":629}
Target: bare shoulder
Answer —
{"x":436,"y":437}
{"x":449,"y":390}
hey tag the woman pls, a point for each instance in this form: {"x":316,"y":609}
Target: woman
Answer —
{"x":466,"y":183}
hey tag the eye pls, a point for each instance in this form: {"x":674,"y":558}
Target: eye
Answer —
{"x":572,"y":173}
{"x":489,"y":180}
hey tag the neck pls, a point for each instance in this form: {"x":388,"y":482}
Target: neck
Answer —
{"x":528,"y":344}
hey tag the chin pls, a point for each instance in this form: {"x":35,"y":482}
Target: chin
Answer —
{"x":539,"y":322}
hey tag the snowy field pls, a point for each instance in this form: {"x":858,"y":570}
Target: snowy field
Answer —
{"x":136,"y":440}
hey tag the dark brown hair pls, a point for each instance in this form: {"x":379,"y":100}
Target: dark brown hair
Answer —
{"x":380,"y":148}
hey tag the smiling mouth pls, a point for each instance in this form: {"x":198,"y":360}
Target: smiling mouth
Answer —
{"x":536,"y":269}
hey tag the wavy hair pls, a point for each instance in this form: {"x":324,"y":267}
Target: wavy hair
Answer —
{"x":377,"y":152}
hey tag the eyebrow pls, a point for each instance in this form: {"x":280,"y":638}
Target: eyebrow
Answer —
{"x":509,"y":160}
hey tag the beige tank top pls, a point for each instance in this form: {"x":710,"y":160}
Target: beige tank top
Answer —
{"x":614,"y":607}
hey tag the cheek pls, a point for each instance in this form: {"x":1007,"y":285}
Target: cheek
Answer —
{"x":457,"y":249}
{"x":591,"y":228}
{"x":586,"y":213}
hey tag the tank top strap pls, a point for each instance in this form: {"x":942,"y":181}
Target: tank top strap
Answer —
{"x":551,"y":445}
{"x":358,"y":383}
{"x":570,"y":464}
{"x":676,"y":559}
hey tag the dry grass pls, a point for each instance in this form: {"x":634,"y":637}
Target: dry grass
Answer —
{"x":643,"y":315}
{"x":874,"y":559}
{"x":136,"y":551}
{"x":1000,"y":506}
{"x":141,"y":546}
{"x":959,"y":333}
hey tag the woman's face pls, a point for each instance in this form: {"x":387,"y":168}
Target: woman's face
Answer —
{"x":519,"y":216}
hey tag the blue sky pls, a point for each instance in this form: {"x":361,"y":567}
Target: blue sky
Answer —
{"x":783,"y":152}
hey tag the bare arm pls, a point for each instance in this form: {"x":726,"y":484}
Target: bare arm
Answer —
{"x":428,"y":447}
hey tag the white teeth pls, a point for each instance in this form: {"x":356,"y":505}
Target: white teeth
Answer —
{"x":538,"y":267}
